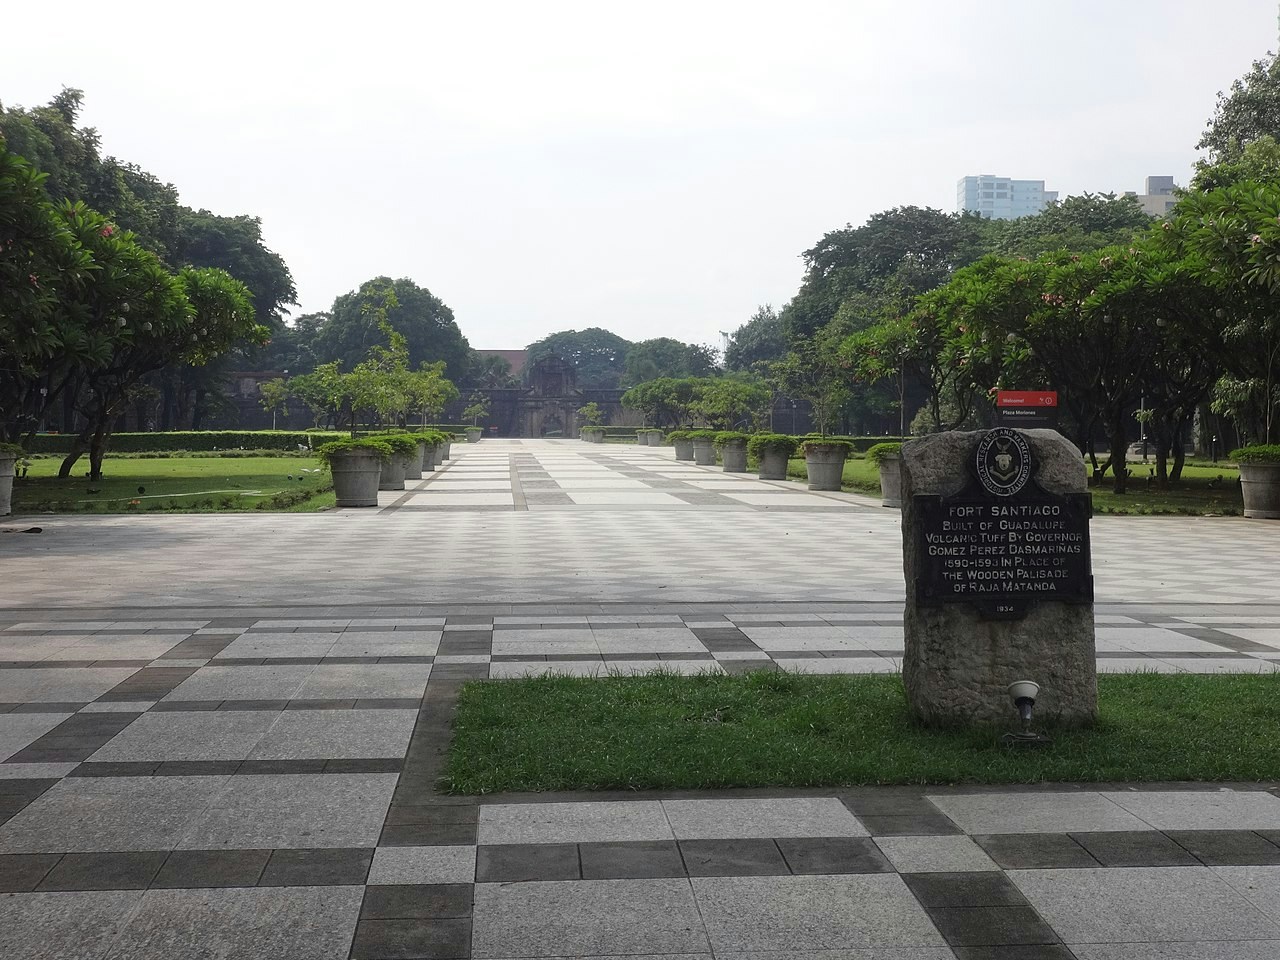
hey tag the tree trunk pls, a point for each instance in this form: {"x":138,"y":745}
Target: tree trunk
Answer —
{"x":98,"y":447}
{"x":197,"y":409}
{"x":1119,"y":447}
{"x":1179,"y":450}
{"x":78,"y":447}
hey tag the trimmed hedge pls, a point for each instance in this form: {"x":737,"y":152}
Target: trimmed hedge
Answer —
{"x":1257,"y":453}
{"x":883,"y":451}
{"x":193,"y":440}
{"x":772,"y":442}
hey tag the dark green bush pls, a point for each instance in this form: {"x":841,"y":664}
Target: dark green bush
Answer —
{"x":1256,"y":453}
{"x":346,"y":445}
{"x":772,"y":443}
{"x":192,"y":440}
{"x":883,"y":451}
{"x":726,"y":437}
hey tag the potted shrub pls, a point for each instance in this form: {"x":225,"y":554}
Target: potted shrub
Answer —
{"x":824,"y":460}
{"x":733,"y":450}
{"x":888,"y":457}
{"x":356,"y":467}
{"x":642,"y":436}
{"x":704,"y":451}
{"x":654,"y":437}
{"x":682,"y":440}
{"x":479,"y":408}
{"x":10,"y":454}
{"x":593,"y":434}
{"x":1260,"y":479}
{"x":403,"y":448}
{"x":772,"y":450}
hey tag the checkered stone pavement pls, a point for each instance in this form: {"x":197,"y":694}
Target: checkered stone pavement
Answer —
{"x":221,"y":737}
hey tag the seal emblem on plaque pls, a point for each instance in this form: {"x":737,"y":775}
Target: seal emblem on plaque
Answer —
{"x":1003,"y":462}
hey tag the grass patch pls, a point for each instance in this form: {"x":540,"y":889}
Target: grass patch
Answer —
{"x":175,"y":485}
{"x":783,"y":730}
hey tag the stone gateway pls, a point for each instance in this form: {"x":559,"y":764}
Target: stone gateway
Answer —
{"x":995,"y":530}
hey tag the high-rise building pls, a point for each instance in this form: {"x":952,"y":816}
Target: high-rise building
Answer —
{"x":1159,"y":198}
{"x":1000,"y":198}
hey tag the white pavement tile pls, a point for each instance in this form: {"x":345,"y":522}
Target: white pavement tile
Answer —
{"x":1036,"y":812}
{"x":442,"y":864}
{"x":584,"y":822}
{"x":731,"y":818}
{"x":1202,"y":810}
{"x":1128,"y":904}
{"x":934,"y":854}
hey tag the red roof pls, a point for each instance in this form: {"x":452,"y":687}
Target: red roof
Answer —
{"x":516,"y":358}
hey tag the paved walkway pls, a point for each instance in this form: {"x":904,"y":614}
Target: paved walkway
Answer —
{"x":219,"y":735}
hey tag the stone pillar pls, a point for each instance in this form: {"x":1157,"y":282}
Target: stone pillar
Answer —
{"x":999,"y":588}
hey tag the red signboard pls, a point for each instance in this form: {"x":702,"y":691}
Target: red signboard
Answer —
{"x":1026,"y":398}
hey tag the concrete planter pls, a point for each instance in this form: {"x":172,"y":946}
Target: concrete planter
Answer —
{"x":355,"y":479}
{"x":825,"y":463}
{"x":684,"y":449}
{"x":446,"y":452}
{"x":7,"y":460}
{"x":474,"y":434}
{"x":773,"y":465}
{"x":891,"y":482}
{"x":734,"y":455}
{"x":654,"y":438}
{"x":393,"y":472}
{"x":430,"y":457}
{"x":1260,"y":486}
{"x":593,"y":434}
{"x":704,"y":453}
{"x":413,"y":465}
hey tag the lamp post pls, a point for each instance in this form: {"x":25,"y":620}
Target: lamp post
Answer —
{"x":44,"y":392}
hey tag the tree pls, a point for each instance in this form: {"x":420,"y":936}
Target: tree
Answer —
{"x":477,"y":408}
{"x":597,"y":355}
{"x":665,"y":357}
{"x":274,"y":397}
{"x":1248,"y":112}
{"x":665,"y":402}
{"x":424,"y":321}
{"x":813,"y":370}
{"x":725,"y":402}
{"x":1079,"y":224}
{"x":757,"y":341}
{"x":491,"y":371}
{"x":590,"y":414}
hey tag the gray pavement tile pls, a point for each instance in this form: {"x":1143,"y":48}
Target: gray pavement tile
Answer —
{"x":812,"y":913}
{"x":1194,"y":950}
{"x":187,"y":736}
{"x":732,"y":819}
{"x":833,"y":855}
{"x":968,"y":889}
{"x":66,"y":926}
{"x":1202,"y":810}
{"x":211,"y":868}
{"x":411,"y":938}
{"x":416,"y":901}
{"x":17,"y":730}
{"x":423,"y":865}
{"x":582,"y":918}
{"x":1260,"y":885}
{"x":301,"y":923}
{"x":1022,"y":851}
{"x":86,"y":815}
{"x":733,"y":858}
{"x":336,"y":734}
{"x":1227,"y":848}
{"x":1143,"y":848}
{"x":510,"y":863}
{"x":630,"y":861}
{"x":341,"y":866}
{"x":999,"y":812}
{"x":307,"y":810}
{"x":105,"y":871}
{"x":1127,"y":904}
{"x":60,"y":685}
{"x":241,"y":683}
{"x":573,"y":822}
{"x":934,"y":854}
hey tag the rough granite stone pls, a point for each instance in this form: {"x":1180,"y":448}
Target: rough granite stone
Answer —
{"x":957,"y":666}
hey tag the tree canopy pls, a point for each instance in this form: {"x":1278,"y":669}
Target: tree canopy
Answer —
{"x":666,"y":357}
{"x":598,"y":355}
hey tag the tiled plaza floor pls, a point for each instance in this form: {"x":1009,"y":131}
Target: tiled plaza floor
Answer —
{"x":219,"y":735}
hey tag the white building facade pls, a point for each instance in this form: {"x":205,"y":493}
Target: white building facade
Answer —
{"x":1002,"y":198}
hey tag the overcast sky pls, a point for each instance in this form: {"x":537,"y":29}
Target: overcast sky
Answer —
{"x":654,"y":168}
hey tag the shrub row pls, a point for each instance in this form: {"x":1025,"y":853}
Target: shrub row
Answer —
{"x":191,"y":440}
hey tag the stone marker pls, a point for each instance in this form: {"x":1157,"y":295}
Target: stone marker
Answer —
{"x":995,"y":537}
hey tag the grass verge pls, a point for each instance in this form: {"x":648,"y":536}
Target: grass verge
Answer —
{"x":783,"y":730}
{"x":181,"y":484}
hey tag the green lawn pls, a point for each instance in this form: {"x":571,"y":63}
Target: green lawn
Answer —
{"x":778,"y":729}
{"x":189,"y":483}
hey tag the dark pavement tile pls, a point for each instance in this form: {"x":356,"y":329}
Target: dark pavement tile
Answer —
{"x":977,"y":889}
{"x":1227,"y":848}
{"x":21,"y":872}
{"x":833,"y":855}
{"x":1029,"y":851}
{"x":412,"y":939}
{"x":314,"y":868}
{"x":984,"y":926}
{"x":1134,"y":848}
{"x":733,"y":858}
{"x":416,"y":901}
{"x":212,"y":868}
{"x":105,"y":871}
{"x":631,"y":860}
{"x":512,"y":862}
{"x":908,"y":825}
{"x":1044,"y":951}
{"x":426,"y":834}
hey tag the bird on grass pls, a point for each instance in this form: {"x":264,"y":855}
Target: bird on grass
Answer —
{"x":1216,"y":482}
